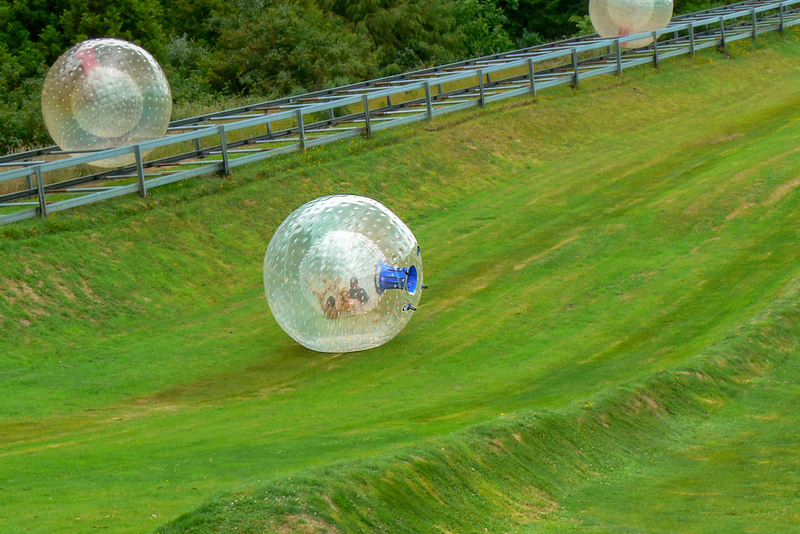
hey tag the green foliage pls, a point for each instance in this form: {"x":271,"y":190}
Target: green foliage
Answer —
{"x":483,"y":26}
{"x":690,"y":6}
{"x":29,"y":40}
{"x":408,"y":33}
{"x":584,"y":24}
{"x":32,"y":30}
{"x":185,"y":66}
{"x":277,"y":48}
{"x":20,"y":112}
{"x":548,"y":18}
{"x":528,"y":39}
{"x":138,"y":21}
{"x":190,"y":18}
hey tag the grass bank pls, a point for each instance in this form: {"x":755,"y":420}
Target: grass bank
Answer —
{"x":573,"y":245}
{"x":608,"y":462}
{"x":733,"y":470}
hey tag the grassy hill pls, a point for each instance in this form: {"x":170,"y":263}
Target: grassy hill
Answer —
{"x":606,"y":266}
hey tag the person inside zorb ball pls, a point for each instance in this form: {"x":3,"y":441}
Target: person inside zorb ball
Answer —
{"x":618,"y":18}
{"x":342,"y":273}
{"x":105,"y":93}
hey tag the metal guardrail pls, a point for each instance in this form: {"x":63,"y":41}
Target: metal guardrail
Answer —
{"x":282,"y":126}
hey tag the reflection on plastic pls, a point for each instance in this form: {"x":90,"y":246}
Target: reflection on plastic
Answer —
{"x":341,"y":273}
{"x":618,"y":18}
{"x":105,"y":93}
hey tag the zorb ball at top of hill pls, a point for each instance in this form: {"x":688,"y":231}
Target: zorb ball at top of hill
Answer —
{"x":618,"y":18}
{"x":105,"y":93}
{"x":343,"y":273}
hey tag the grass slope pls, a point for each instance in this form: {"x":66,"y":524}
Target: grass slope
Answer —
{"x":572,"y":246}
{"x":510,"y":474}
{"x":734,"y":472}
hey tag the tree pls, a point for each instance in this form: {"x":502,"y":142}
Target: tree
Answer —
{"x":404,"y":32}
{"x":190,"y":18}
{"x":482,"y":23}
{"x":138,"y":21}
{"x":276,"y":48}
{"x":547,"y":18}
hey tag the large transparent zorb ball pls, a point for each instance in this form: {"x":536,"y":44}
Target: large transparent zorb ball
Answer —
{"x":343,"y":273}
{"x":618,"y":18}
{"x":105,"y":93}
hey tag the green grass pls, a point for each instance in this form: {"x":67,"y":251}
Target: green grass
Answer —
{"x":514,"y":470}
{"x":735,"y":471}
{"x":572,"y":246}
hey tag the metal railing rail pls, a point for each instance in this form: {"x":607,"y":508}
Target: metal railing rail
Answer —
{"x":291,"y":124}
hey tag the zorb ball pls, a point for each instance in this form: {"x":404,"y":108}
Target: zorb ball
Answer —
{"x":105,"y":93}
{"x":342,"y":273}
{"x":662,"y":15}
{"x":618,"y":18}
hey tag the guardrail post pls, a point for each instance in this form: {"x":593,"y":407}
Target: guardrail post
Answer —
{"x":531,"y":73}
{"x":29,"y":181}
{"x":481,"y":100}
{"x":619,"y":56}
{"x":137,"y":151}
{"x":269,"y":128}
{"x":691,"y":38}
{"x":722,"y":31}
{"x":198,"y":147}
{"x":301,"y":130}
{"x":655,"y":49}
{"x":428,"y":101}
{"x":780,"y":11}
{"x":755,"y":23}
{"x":575,"y":65}
{"x":388,"y":100}
{"x":440,"y":88}
{"x":40,"y":192}
{"x":368,"y":128}
{"x":226,"y":167}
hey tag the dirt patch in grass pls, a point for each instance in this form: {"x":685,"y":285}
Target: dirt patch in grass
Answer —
{"x":723,"y":138}
{"x":738,"y":211}
{"x":32,"y":302}
{"x":540,"y":255}
{"x":88,"y":291}
{"x":64,"y":290}
{"x":304,"y":524}
{"x":782,"y":191}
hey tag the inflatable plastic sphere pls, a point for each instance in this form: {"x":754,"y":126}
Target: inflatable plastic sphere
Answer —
{"x":618,"y":18}
{"x":343,"y":273}
{"x":105,"y":93}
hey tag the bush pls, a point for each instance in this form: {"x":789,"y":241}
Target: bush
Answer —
{"x":483,"y":26}
{"x":185,"y":67}
{"x":283,"y":48}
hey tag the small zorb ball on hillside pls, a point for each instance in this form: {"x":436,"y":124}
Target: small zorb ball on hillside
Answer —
{"x":105,"y":93}
{"x":342,"y":273}
{"x":618,"y":18}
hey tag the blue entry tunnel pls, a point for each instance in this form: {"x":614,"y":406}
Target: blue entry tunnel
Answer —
{"x":402,"y":278}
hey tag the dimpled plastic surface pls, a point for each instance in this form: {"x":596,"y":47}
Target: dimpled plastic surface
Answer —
{"x":105,"y":93}
{"x":618,"y":18}
{"x":310,"y":265}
